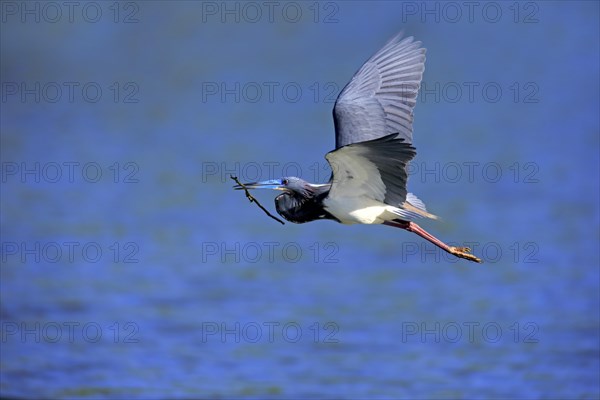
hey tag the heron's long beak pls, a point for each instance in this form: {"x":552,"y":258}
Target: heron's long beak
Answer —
{"x":272,"y":184}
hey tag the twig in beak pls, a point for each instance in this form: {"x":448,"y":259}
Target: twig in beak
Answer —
{"x":253,"y":200}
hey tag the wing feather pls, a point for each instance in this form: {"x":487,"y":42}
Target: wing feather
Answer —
{"x":374,"y":169}
{"x":380,"y":98}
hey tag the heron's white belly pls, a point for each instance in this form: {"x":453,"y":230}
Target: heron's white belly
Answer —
{"x":357,"y":210}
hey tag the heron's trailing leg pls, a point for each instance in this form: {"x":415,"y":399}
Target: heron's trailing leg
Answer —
{"x":462,"y":252}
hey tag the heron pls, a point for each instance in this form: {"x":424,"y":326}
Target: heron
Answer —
{"x":373,"y":120}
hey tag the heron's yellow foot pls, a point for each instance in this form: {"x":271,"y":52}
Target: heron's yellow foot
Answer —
{"x":464,"y":252}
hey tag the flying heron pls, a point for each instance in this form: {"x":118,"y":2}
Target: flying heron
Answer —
{"x":373,"y":118}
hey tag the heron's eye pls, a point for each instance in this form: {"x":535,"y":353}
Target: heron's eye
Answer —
{"x":285,"y":181}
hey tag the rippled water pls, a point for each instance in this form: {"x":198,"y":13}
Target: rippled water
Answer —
{"x":131,"y":269}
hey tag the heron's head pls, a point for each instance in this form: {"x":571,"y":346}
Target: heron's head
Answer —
{"x":297,"y":202}
{"x":289,"y":184}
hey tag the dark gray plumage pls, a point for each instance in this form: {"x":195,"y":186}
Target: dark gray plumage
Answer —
{"x":302,"y":202}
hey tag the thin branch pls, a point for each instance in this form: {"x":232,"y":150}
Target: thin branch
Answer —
{"x":253,"y":200}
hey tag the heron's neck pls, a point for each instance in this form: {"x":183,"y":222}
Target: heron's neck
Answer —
{"x":319,"y":189}
{"x":300,"y":209}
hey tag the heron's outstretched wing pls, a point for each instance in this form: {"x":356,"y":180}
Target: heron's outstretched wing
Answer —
{"x":375,"y":169}
{"x":380,"y":98}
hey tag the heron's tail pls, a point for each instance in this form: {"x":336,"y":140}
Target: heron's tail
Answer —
{"x":416,"y":207}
